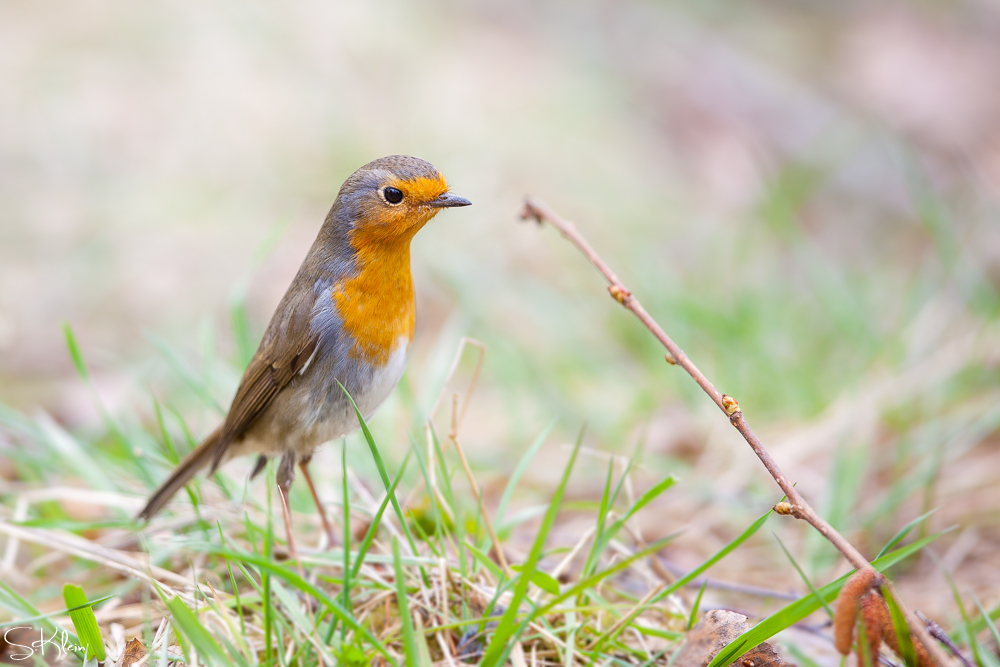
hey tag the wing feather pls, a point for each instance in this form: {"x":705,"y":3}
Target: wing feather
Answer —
{"x":284,"y":351}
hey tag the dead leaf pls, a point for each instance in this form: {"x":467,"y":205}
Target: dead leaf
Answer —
{"x":762,"y":656}
{"x":134,"y":652}
{"x":715,"y":631}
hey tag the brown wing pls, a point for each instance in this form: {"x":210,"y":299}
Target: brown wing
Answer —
{"x":285,"y":350}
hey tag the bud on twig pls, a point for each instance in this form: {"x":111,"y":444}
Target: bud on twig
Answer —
{"x":784,"y":508}
{"x":730,"y":405}
{"x":619,"y":293}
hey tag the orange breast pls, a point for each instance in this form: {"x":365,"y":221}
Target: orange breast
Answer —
{"x":377,"y":305}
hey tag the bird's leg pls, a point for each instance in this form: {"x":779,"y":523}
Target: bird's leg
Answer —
{"x":304,"y":466}
{"x":286,"y":473}
{"x":259,"y":466}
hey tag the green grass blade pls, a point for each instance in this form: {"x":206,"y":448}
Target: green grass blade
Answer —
{"x":444,"y":475}
{"x":696,"y":605}
{"x":541,"y":579}
{"x":75,"y":354}
{"x":602,"y":513}
{"x":505,"y":629}
{"x":84,"y":621}
{"x":596,"y":578}
{"x":796,"y":611}
{"x":71,"y":455}
{"x":232,"y":580}
{"x":346,"y":502}
{"x":601,"y":541}
{"x":802,"y":575}
{"x":373,"y":527}
{"x":291,"y":609}
{"x":690,"y":576}
{"x":979,"y":624}
{"x":486,"y":562}
{"x":240,"y":323}
{"x":519,"y":470}
{"x":186,"y":622}
{"x":39,"y":617}
{"x":967,"y":625}
{"x":906,"y":650}
{"x":381,"y":470}
{"x":442,"y":520}
{"x":293,"y":579}
{"x":186,"y":373}
{"x":409,"y":641}
{"x":849,"y":469}
{"x":987,"y":620}
{"x":346,"y":506}
{"x":265,"y":575}
{"x":423,"y":650}
{"x":903,"y":532}
{"x":223,"y":616}
{"x":966,"y":621}
{"x":168,"y":440}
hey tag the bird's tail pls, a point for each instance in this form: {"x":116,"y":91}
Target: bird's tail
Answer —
{"x":199,"y":457}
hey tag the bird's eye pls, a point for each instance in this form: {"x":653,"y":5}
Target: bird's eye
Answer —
{"x":392,"y":195}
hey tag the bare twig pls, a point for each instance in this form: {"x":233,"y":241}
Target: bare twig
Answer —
{"x":797,"y":506}
{"x":938,"y":633}
{"x":745,"y":589}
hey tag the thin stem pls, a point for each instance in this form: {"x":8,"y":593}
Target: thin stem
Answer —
{"x":797,"y":506}
{"x":453,"y":436}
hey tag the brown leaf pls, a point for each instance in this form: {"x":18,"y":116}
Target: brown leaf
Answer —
{"x":134,"y":651}
{"x":716,"y":630}
{"x":762,"y":656}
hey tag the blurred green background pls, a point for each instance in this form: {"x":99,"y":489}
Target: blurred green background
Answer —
{"x":803,"y":194}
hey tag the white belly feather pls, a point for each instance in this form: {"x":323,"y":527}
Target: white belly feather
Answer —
{"x":384,"y":379}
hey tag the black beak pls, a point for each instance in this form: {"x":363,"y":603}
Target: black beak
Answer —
{"x":448,"y":200}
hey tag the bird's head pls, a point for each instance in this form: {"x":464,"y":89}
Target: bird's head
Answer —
{"x":390,"y":199}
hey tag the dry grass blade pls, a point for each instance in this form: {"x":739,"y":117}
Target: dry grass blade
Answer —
{"x":77,"y":546}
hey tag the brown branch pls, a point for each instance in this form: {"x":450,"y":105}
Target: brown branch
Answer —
{"x":797,"y":506}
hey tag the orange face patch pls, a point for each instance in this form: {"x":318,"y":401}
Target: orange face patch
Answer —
{"x":387,"y":223}
{"x":377,"y":305}
{"x":419,"y":190}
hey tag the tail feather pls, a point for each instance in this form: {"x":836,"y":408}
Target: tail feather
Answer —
{"x":199,"y":457}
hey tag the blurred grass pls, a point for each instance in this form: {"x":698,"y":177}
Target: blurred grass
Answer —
{"x":769,"y":180}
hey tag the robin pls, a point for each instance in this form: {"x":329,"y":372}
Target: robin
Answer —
{"x":347,"y":319}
